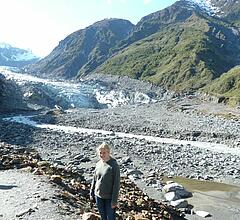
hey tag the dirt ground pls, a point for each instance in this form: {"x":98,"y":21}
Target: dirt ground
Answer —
{"x":27,"y":196}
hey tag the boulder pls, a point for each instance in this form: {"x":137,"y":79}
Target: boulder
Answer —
{"x":172,"y":187}
{"x":180,"y":203}
{"x":183,"y":193}
{"x":171,"y":196}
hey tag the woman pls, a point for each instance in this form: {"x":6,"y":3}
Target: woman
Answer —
{"x":106,"y":183}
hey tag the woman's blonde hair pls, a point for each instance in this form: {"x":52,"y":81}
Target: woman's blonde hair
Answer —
{"x":104,"y":145}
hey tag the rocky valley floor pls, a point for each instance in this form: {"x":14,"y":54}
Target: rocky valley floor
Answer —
{"x":186,"y":137}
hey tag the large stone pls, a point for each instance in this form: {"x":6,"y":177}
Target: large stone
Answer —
{"x":183,"y":193}
{"x":172,"y":187}
{"x":203,"y":214}
{"x":180,"y":203}
{"x":43,"y":163}
{"x":56,"y":179}
{"x":171,"y":196}
{"x":134,"y":172}
{"x":90,"y":216}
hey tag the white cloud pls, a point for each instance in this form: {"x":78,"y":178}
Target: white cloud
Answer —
{"x":147,"y":2}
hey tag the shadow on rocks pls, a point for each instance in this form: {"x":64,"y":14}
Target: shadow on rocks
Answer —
{"x":7,"y":187}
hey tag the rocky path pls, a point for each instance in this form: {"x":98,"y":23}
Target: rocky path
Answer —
{"x":26,"y":196}
{"x":218,"y":203}
{"x":38,"y":189}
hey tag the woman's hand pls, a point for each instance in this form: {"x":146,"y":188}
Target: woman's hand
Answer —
{"x":114,"y":206}
{"x":92,"y":198}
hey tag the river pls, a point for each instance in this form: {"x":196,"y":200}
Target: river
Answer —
{"x":220,"y":148}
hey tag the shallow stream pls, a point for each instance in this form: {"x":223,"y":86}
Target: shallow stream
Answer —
{"x":217,"y":190}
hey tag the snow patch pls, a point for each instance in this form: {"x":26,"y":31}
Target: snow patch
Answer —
{"x":5,"y":46}
{"x":25,"y":56}
{"x":118,"y":98}
{"x":16,"y":54}
{"x":6,"y":58}
{"x":235,"y":31}
{"x":207,"y":6}
{"x":112,"y":98}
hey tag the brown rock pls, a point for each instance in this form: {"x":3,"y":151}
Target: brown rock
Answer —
{"x":56,"y":179}
{"x":37,"y":171}
{"x":43,"y":163}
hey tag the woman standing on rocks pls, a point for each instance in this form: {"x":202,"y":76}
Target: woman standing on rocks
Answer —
{"x":106,"y":183}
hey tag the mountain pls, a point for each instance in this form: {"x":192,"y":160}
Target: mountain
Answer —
{"x":186,"y":48}
{"x":225,"y":9}
{"x":11,"y":98}
{"x":155,"y":22}
{"x":15,"y":57}
{"x":183,"y":47}
{"x":83,"y":50}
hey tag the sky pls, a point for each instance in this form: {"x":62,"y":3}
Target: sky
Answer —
{"x":39,"y":25}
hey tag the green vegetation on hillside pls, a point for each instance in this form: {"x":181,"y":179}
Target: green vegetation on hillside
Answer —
{"x":183,"y":56}
{"x":227,"y":87}
{"x":180,"y":47}
{"x":234,"y":15}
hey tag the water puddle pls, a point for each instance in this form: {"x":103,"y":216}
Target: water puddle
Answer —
{"x":215,"y":190}
{"x":202,"y":185}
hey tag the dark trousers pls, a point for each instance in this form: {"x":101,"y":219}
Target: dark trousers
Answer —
{"x":105,"y":209}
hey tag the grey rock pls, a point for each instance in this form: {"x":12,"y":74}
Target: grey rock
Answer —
{"x":180,"y":203}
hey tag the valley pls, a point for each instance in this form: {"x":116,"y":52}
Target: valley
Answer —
{"x":175,"y":136}
{"x":163,"y":92}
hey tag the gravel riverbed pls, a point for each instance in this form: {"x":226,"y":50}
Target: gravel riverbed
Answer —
{"x":181,"y":119}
